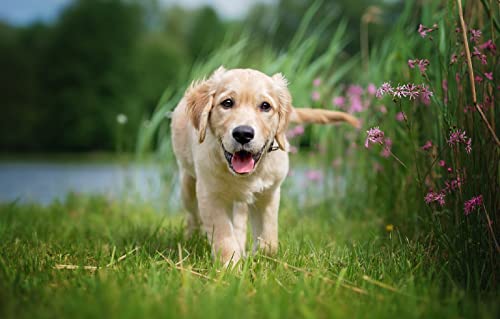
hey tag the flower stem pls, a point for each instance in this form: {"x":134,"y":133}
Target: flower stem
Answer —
{"x":409,"y":127}
{"x":471,"y":73}
{"x":435,"y":160}
{"x":398,"y":160}
{"x":491,"y":229}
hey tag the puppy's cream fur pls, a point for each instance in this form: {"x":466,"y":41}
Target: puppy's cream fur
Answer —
{"x":217,"y":198}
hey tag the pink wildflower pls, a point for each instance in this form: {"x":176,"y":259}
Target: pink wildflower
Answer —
{"x":435,"y":197}
{"x":427,"y":146}
{"x":423,"y":30}
{"x":314,"y":175}
{"x":386,"y":88}
{"x":442,"y":163}
{"x":317,"y":82}
{"x":371,"y":89}
{"x":452,"y":185}
{"x":356,"y":104}
{"x":472,"y":204}
{"x":478,"y":54}
{"x":422,"y":65}
{"x":469,"y":108}
{"x":444,"y":85}
{"x":475,"y":35}
{"x":489,"y":46}
{"x":412,"y":91}
{"x":375,"y":136}
{"x":400,"y":91}
{"x":478,"y":79}
{"x":460,"y":137}
{"x":386,"y":151}
{"x":315,"y":96}
{"x":296,"y":131}
{"x":425,"y":94}
{"x":354,"y":90}
{"x":457,"y":136}
{"x":338,"y":101}
{"x":488,"y":102}
{"x":468,"y":146}
{"x":454,"y":58}
{"x":489,"y":75}
{"x":484,"y":59}
{"x":382,"y":109}
{"x":400,"y":116}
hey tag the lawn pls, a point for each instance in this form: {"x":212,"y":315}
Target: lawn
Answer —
{"x":91,"y":257}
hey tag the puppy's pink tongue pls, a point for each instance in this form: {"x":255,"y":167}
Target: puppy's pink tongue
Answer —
{"x":242,"y":162}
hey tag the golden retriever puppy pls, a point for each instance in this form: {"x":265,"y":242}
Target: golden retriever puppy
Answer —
{"x":228,"y":135}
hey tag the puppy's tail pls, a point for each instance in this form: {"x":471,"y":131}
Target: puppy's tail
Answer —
{"x":320,"y":116}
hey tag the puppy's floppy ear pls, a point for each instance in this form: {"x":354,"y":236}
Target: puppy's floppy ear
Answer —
{"x":284,"y":109}
{"x":199,"y":99}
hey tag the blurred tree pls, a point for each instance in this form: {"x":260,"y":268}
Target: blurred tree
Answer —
{"x":205,"y":33}
{"x":160,"y":63}
{"x":88,"y":78}
{"x":20,"y":53}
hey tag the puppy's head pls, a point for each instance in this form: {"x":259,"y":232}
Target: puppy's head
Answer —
{"x":245,"y":111}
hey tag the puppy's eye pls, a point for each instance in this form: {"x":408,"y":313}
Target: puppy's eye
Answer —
{"x":227,"y":104}
{"x":265,"y":106}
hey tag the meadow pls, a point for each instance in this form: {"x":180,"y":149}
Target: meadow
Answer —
{"x":405,"y":221}
{"x":89,"y":257}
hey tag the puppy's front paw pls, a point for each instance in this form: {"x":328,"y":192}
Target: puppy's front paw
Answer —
{"x":227,"y":252}
{"x":267,"y":247}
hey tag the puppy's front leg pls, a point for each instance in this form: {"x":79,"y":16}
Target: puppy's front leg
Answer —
{"x":240,"y":217}
{"x":264,"y":218}
{"x":215,"y":216}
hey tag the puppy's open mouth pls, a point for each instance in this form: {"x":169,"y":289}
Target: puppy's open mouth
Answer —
{"x":242,"y":162}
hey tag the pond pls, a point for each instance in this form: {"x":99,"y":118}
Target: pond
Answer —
{"x":43,"y":181}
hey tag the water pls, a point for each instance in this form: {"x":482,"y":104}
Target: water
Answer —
{"x":45,"y":181}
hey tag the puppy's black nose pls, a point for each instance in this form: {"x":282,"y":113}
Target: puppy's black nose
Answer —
{"x":243,"y":133}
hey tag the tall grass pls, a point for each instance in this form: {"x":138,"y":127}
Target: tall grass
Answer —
{"x":465,"y":244}
{"x":389,"y":188}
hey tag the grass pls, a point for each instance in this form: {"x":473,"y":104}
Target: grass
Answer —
{"x":329,"y":264}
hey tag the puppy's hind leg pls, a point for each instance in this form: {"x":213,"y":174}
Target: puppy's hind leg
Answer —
{"x":190,"y":202}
